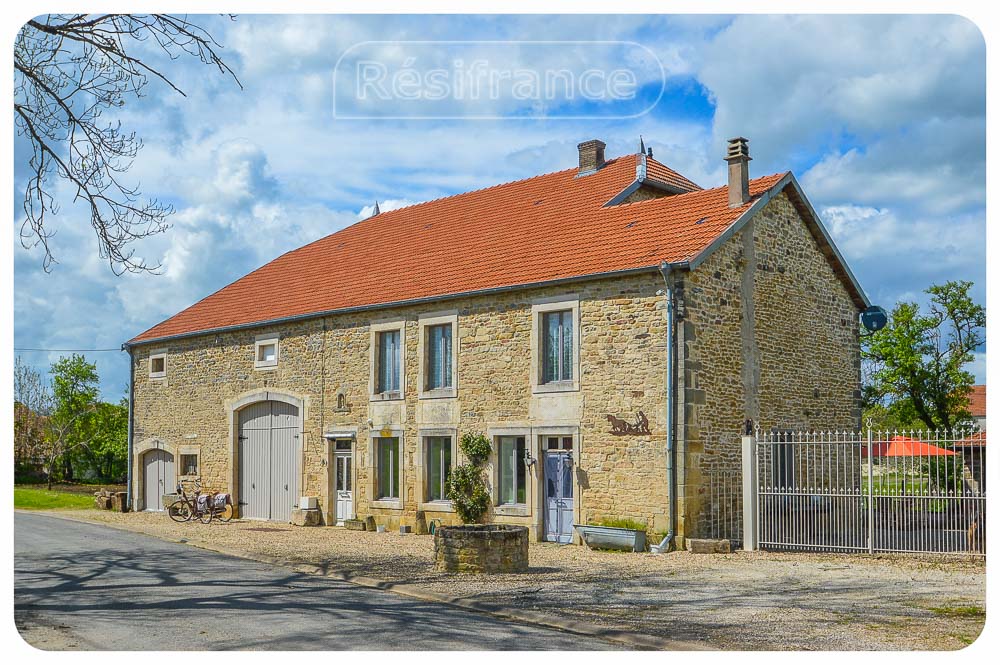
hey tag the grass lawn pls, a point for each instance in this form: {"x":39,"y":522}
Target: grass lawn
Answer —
{"x":40,"y":499}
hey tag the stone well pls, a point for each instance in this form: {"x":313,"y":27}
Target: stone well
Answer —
{"x":481,"y":548}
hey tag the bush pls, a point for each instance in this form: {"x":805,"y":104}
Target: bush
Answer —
{"x":622,"y":523}
{"x":466,"y":485}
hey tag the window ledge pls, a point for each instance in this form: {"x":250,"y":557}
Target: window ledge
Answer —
{"x":439,"y":393}
{"x":437,"y":507}
{"x":266,"y":367}
{"x":557,"y":387}
{"x":391,"y":504}
{"x":385,"y":397}
{"x":514,"y":509}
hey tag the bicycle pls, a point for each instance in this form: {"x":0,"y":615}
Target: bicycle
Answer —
{"x":203,"y":506}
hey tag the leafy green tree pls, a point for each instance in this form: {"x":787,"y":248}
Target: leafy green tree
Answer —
{"x":105,"y":457}
{"x":915,"y":366}
{"x":72,"y":425}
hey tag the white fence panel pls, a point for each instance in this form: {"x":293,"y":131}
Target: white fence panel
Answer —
{"x":871,"y":491}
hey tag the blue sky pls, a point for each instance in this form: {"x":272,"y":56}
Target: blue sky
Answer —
{"x":881,"y":118}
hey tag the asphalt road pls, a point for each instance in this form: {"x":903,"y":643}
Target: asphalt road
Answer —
{"x":83,"y":586}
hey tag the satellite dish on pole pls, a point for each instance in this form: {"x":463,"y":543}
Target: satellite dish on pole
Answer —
{"x":874,"y":318}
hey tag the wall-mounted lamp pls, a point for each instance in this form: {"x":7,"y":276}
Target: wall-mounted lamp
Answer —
{"x":529,"y":461}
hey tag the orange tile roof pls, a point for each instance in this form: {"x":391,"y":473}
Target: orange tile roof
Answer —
{"x":977,"y":401}
{"x":665,"y":174}
{"x":544,"y":228}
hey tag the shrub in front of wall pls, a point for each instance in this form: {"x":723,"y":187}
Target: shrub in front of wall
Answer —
{"x":467,"y":489}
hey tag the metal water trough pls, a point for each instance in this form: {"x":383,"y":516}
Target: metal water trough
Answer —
{"x":612,"y":538}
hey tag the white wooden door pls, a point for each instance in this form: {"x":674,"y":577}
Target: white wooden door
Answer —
{"x":342,"y":490}
{"x":159,"y":478}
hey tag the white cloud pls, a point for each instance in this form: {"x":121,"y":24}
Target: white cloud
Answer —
{"x":798,"y":85}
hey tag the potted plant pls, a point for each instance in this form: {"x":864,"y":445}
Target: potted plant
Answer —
{"x":614,"y":534}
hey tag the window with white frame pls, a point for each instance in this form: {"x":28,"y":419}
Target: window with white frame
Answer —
{"x":512,"y":470}
{"x":387,"y":461}
{"x":438,"y":361}
{"x":389,"y":363}
{"x":437,"y":466}
{"x":557,"y":346}
{"x":555,"y":342}
{"x":266,"y":352}
{"x":158,"y":365}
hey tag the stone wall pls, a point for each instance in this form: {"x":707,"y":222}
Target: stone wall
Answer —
{"x":622,"y":349}
{"x":481,"y":549}
{"x":770,"y":334}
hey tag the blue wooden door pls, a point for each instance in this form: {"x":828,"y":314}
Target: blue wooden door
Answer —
{"x":559,"y":496}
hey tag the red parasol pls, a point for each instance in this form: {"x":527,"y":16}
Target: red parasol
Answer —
{"x":904,"y":446}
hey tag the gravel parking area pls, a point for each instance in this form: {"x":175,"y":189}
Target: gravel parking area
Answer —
{"x":735,"y":601}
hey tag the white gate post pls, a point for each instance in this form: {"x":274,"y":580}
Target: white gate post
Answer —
{"x":871,"y":495}
{"x":749,"y":492}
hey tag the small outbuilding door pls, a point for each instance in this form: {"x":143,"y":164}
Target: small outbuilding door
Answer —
{"x":269,"y":460}
{"x":158,"y":478}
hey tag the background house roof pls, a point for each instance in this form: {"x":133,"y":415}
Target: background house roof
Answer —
{"x":546,"y":228}
{"x":977,"y":401}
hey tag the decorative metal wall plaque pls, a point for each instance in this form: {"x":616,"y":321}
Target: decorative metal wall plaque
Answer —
{"x":620,"y":426}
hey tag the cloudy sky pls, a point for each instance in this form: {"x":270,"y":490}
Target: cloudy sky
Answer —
{"x":881,"y":118}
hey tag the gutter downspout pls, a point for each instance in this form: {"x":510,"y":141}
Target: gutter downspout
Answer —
{"x":667,"y":270}
{"x":131,"y":401}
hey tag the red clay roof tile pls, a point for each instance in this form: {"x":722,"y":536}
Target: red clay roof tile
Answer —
{"x":544,"y":228}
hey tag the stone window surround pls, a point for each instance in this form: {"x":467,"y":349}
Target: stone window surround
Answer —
{"x":375,"y":329}
{"x":434,"y":506}
{"x":425,"y":321}
{"x":189,"y":450}
{"x":517,"y":509}
{"x":534,"y":437}
{"x":264,"y":340}
{"x":539,"y":307}
{"x":372,"y":489}
{"x":154,"y":355}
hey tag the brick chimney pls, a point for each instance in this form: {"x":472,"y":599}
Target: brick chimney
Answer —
{"x":591,"y":156}
{"x":738,"y":157}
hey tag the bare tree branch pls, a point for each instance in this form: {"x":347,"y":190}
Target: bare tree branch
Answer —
{"x":69,"y":70}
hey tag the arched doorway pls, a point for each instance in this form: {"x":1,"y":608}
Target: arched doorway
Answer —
{"x":158,"y":478}
{"x":268,"y":453}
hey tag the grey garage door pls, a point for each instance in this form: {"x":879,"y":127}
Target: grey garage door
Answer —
{"x":269,"y":460}
{"x":158,"y":472}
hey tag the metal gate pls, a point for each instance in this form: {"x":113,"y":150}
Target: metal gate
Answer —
{"x":268,"y":460}
{"x":871,"y":491}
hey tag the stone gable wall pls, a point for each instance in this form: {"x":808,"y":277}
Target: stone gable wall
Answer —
{"x":771,"y":335}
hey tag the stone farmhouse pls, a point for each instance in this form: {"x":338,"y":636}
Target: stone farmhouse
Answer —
{"x":609,"y":327}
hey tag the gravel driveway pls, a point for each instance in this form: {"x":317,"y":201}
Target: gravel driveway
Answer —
{"x":735,"y":601}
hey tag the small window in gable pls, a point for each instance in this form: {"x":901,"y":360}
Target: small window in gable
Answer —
{"x":158,"y":365}
{"x":266,"y":352}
